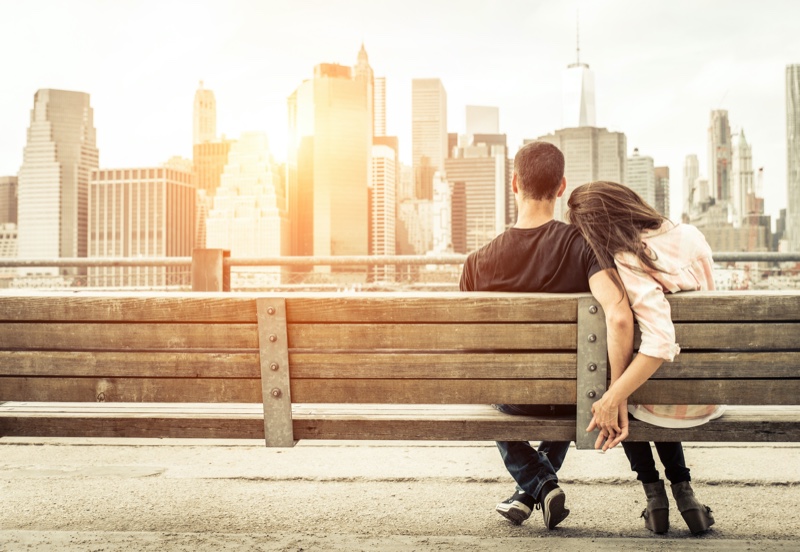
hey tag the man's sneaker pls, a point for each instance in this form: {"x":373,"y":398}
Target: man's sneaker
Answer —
{"x":517,"y":508}
{"x":553,"y":510}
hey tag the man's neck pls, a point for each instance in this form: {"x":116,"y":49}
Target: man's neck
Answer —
{"x":533,"y":213}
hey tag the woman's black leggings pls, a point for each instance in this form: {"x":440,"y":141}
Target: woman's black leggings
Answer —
{"x":642,"y":462}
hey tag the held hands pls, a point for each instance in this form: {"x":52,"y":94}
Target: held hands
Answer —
{"x":612,"y":421}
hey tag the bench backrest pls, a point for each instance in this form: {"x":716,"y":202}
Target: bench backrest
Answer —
{"x":421,"y":348}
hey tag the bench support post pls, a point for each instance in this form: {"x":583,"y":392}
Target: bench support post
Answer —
{"x":592,"y":366}
{"x":273,"y":346}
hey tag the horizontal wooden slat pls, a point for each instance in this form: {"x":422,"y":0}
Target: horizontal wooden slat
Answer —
{"x":736,"y":336}
{"x":126,"y":307}
{"x":303,"y":365}
{"x":731,"y":364}
{"x":744,"y":392}
{"x":93,"y":336}
{"x":730,"y":306}
{"x":434,"y":391}
{"x":309,"y":391}
{"x":76,"y":337}
{"x":508,"y":365}
{"x":401,"y":307}
{"x":355,"y":422}
{"x":129,"y":364}
{"x":425,"y":337}
{"x":454,"y":307}
{"x":131,"y":390}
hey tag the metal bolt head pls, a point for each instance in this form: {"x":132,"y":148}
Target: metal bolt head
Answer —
{"x":271,"y":310}
{"x":591,"y":394}
{"x":592,"y":367}
{"x":276,"y":393}
{"x":273,"y":338}
{"x":274,"y":366}
{"x":593,"y":309}
{"x":592,"y":338}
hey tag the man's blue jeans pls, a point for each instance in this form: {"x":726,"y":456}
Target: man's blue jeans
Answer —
{"x":531,"y":468}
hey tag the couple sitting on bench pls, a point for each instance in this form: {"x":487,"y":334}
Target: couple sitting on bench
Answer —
{"x":628,"y":255}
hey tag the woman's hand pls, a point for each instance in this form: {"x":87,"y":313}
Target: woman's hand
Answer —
{"x":611,"y":418}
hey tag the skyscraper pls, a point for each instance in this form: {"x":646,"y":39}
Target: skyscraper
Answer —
{"x":247,"y":216}
{"x":480,"y":173}
{"x":691,"y":172}
{"x":140,"y":212}
{"x":364,"y":75}
{"x":53,"y":184}
{"x":662,"y":190}
{"x":793,"y":156}
{"x":330,"y":144}
{"x":590,"y":154}
{"x":205,"y":115}
{"x":640,"y":177}
{"x":578,"y":94}
{"x":719,"y":156}
{"x":383,"y":211}
{"x":743,"y":190}
{"x":428,"y":133}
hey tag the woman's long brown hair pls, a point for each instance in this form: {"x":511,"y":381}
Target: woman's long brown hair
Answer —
{"x":611,"y":218}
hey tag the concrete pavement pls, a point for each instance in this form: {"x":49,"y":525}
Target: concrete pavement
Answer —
{"x":110,"y":495}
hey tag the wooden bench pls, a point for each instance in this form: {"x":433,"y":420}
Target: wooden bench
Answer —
{"x":376,"y":366}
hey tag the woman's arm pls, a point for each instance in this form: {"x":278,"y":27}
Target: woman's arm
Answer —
{"x":619,"y":328}
{"x":652,"y":312}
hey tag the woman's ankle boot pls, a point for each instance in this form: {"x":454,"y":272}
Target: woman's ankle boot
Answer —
{"x":656,"y":515}
{"x":696,"y":515}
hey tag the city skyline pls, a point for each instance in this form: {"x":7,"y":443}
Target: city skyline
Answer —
{"x":659,"y":69}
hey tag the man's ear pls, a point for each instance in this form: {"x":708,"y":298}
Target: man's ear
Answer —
{"x":563,"y":187}
{"x":514,"y":185}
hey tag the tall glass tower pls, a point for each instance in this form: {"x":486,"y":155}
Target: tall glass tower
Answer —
{"x":720,"y":156}
{"x":428,"y":133}
{"x":53,"y":185}
{"x":578,"y":94}
{"x":793,"y":156}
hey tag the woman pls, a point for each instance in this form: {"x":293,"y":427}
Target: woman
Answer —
{"x":653,"y":256}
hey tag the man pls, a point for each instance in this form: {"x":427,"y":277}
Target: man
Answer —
{"x":540,"y":254}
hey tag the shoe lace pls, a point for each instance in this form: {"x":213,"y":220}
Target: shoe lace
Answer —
{"x":537,"y":506}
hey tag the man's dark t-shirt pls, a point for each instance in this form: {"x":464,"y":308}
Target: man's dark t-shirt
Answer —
{"x":552,"y":258}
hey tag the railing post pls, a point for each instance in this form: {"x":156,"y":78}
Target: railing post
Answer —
{"x":592,"y":369}
{"x":209,"y":272}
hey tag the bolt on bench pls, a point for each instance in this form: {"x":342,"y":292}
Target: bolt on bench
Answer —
{"x":407,"y":366}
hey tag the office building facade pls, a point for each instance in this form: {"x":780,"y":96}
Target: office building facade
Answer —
{"x":141,"y":212}
{"x":640,"y":176}
{"x":590,"y":154}
{"x":53,"y":182}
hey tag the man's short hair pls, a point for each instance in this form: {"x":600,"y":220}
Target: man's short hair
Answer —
{"x":539,"y":167}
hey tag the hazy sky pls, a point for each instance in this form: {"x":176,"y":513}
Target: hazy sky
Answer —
{"x":660,"y":66}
